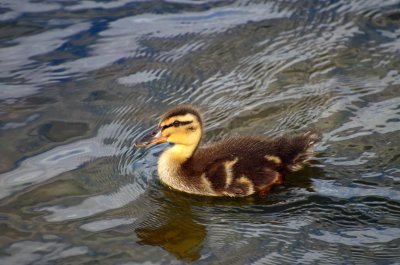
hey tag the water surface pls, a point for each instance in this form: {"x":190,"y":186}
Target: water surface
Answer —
{"x":82,"y":80}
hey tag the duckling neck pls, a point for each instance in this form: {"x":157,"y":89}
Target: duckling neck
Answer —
{"x":170,"y":166}
{"x":181,"y":153}
{"x":170,"y":163}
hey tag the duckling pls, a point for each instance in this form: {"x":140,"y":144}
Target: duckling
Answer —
{"x":235,"y":167}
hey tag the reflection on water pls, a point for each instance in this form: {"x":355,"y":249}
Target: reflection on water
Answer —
{"x":175,"y":230}
{"x":80,"y":81}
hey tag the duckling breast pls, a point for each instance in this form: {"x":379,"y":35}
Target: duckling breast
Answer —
{"x":175,"y":174}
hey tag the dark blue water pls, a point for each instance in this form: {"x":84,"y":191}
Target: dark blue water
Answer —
{"x":80,"y":81}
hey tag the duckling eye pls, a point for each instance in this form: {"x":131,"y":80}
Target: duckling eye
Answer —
{"x":176,"y":123}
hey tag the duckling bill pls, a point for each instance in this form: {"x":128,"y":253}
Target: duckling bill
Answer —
{"x":235,"y":167}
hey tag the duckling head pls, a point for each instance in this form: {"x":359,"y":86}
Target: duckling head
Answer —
{"x":182,"y":126}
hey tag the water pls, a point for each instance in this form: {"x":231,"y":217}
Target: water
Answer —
{"x":82,"y":80}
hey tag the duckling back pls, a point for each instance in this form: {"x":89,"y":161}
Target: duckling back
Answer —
{"x":241,"y":166}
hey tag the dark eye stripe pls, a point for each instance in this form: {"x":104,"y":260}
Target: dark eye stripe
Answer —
{"x":176,"y":124}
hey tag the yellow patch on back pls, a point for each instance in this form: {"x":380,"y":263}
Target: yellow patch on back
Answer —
{"x":296,"y":167}
{"x":244,"y":180}
{"x":275,"y":159}
{"x":229,"y":171}
{"x":207,"y":185}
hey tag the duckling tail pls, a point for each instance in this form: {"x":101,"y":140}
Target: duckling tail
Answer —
{"x":302,"y":150}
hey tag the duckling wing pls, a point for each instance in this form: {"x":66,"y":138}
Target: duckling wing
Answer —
{"x":235,"y":167}
{"x":243,"y":165}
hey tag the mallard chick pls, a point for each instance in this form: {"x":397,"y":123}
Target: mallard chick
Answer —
{"x":236,"y":167}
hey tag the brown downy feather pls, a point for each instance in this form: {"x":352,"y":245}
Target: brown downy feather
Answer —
{"x":297,"y":150}
{"x":261,"y":162}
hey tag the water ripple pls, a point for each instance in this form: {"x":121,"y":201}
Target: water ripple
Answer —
{"x":359,"y":237}
{"x":330,"y":188}
{"x":40,"y":252}
{"x":92,"y":205}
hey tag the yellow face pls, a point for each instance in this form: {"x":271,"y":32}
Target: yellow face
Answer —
{"x":181,"y":129}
